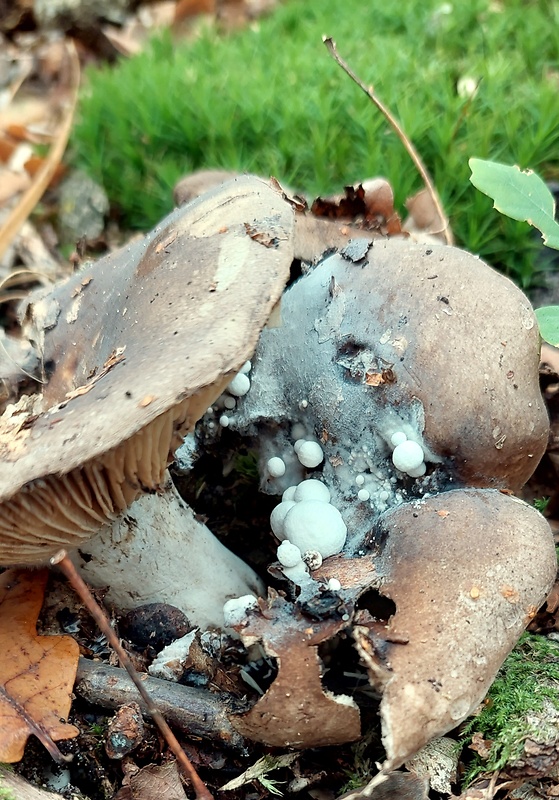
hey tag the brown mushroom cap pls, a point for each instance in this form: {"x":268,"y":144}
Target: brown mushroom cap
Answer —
{"x":135,"y":348}
{"x":466,"y":570}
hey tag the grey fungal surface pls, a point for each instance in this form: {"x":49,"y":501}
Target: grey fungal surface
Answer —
{"x":414,"y":371}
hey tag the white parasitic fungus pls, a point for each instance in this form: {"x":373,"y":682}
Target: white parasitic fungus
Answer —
{"x":310,"y":454}
{"x":408,"y":457}
{"x":289,"y":493}
{"x":398,"y":438}
{"x":312,"y":489}
{"x":277,"y":517}
{"x":275,"y":467}
{"x":240,"y":385}
{"x":315,"y":525}
{"x":289,"y":555}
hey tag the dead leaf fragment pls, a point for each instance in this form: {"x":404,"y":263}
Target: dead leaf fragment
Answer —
{"x":38,"y":672}
{"x":480,"y":745}
{"x":162,"y":782}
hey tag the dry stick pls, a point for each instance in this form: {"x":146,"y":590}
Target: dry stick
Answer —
{"x":412,"y":152}
{"x":61,"y":560}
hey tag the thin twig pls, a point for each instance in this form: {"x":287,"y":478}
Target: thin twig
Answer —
{"x":61,"y":560}
{"x":393,"y":122}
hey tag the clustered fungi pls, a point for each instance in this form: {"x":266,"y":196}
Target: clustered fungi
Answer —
{"x":394,"y":404}
{"x":418,"y":393}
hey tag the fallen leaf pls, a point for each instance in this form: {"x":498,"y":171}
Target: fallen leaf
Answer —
{"x":480,"y":746}
{"x":38,"y":672}
{"x":162,"y":782}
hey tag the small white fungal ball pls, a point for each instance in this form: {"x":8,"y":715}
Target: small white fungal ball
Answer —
{"x":311,"y":489}
{"x":246,"y":368}
{"x":230,"y":403}
{"x":289,"y":493}
{"x":235,"y":610}
{"x":298,"y":444}
{"x":417,"y":473}
{"x":384,"y":496}
{"x":289,"y":554}
{"x":363,"y":495}
{"x":334,"y":585}
{"x":224,"y":420}
{"x":408,"y":455}
{"x":360,"y":480}
{"x":314,"y":525}
{"x":310,"y":454}
{"x":277,"y":517}
{"x":398,"y":438}
{"x":276,"y":467}
{"x":240,"y":385}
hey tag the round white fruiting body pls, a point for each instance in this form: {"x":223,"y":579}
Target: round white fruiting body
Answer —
{"x":310,"y":454}
{"x":289,"y":554}
{"x":247,"y":366}
{"x":289,"y":493}
{"x":408,"y":456}
{"x":363,"y":495}
{"x":240,"y":385}
{"x":276,"y":467}
{"x":398,"y":438}
{"x":277,"y":517}
{"x":315,"y":525}
{"x":311,"y":489}
{"x":229,"y":403}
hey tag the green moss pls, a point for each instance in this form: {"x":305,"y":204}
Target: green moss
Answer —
{"x":527,"y":684}
{"x":6,"y":793}
{"x":270,"y":100}
{"x":541,"y":503}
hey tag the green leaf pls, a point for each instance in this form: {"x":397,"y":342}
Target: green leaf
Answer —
{"x":520,"y":195}
{"x":548,"y":320}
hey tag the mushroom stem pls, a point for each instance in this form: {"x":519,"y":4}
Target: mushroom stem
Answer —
{"x":157,"y":551}
{"x":61,"y":560}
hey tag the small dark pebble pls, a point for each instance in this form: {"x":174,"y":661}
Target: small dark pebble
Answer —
{"x":154,"y":625}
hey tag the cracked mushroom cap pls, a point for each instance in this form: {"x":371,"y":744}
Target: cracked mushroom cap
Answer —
{"x":135,"y":348}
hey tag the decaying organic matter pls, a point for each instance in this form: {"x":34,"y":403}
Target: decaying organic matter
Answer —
{"x":401,"y":386}
{"x":396,"y":346}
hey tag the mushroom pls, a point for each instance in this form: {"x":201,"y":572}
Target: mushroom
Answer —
{"x":134,"y":349}
{"x":416,"y":368}
{"x":426,"y":343}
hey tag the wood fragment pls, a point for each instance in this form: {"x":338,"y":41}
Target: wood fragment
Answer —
{"x":190,"y":711}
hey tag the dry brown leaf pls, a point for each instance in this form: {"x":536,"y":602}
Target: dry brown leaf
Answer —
{"x":38,"y":672}
{"x":43,"y":177}
{"x":424,"y":218}
{"x":162,"y":782}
